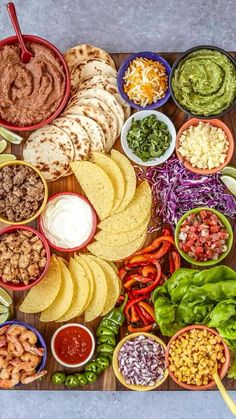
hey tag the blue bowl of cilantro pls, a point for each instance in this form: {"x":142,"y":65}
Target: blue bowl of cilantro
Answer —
{"x":143,"y":80}
{"x":148,"y":138}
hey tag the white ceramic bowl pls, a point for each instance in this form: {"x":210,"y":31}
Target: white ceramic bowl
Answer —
{"x":140,"y":115}
{"x":53,"y":345}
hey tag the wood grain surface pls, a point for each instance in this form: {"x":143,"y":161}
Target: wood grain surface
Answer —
{"x":107,"y":381}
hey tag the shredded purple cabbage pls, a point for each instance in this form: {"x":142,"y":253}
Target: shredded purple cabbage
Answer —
{"x":177,"y":190}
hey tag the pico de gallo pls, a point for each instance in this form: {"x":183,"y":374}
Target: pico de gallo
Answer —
{"x":202,"y":236}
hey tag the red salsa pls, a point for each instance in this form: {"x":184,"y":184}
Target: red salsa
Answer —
{"x":203,"y":236}
{"x":73,"y":345}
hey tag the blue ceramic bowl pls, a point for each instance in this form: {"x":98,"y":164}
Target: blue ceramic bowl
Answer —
{"x":121,"y":72}
{"x":41,"y":342}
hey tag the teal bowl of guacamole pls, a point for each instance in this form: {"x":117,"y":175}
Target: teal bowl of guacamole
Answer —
{"x":203,"y":82}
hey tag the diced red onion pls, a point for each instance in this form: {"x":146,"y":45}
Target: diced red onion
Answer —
{"x":177,"y":190}
{"x":142,"y":361}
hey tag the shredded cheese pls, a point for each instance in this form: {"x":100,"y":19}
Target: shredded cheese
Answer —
{"x":145,"y":81}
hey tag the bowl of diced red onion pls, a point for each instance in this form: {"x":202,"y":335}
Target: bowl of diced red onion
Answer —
{"x":139,"y":362}
{"x":203,"y":236}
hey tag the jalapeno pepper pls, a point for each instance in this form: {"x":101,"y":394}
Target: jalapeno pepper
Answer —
{"x":103,"y":361}
{"x":82,"y":380}
{"x":105,"y":347}
{"x":109,"y":324}
{"x":111,"y":340}
{"x":94,"y":366}
{"x":71,"y":381}
{"x":104,"y":331}
{"x":91,"y":376}
{"x":116,"y":314}
{"x":58,"y":377}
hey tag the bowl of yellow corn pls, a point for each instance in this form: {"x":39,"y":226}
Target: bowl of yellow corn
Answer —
{"x":192,"y":354}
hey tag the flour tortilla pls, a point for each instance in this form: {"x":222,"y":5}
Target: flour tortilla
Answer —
{"x":63,"y":299}
{"x":109,"y":84}
{"x":81,"y":292}
{"x":97,"y":304}
{"x":42,"y":295}
{"x":75,"y":55}
{"x":51,"y":150}
{"x":129,"y":177}
{"x":113,"y":288}
{"x":109,"y":99}
{"x":134,"y":214}
{"x":88,"y":68}
{"x":96,"y":185}
{"x":89,"y":275}
{"x":88,"y":108}
{"x":94,"y":131}
{"x":122,"y":238}
{"x":110,"y":116}
{"x":115,"y":253}
{"x":115,"y":175}
{"x":77,"y":134}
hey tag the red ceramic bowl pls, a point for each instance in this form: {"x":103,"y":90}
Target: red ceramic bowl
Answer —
{"x":215,"y":123}
{"x":32,"y":38}
{"x":74,"y":249}
{"x":222,"y":372}
{"x":21,"y":287}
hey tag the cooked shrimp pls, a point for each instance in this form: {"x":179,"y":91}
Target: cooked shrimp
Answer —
{"x":37,"y":351}
{"x":27,"y":362}
{"x":11,"y":380}
{"x":16,"y":330}
{"x":27,"y":357}
{"x":28,"y":339}
{"x":4,"y":357}
{"x":14,"y":346}
{"x":3,"y":341}
{"x":26,"y":379}
{"x":4,"y":329}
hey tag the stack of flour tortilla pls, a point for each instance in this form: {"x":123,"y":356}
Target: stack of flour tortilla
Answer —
{"x":91,"y":121}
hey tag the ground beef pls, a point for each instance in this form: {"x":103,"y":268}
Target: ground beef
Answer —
{"x":21,"y":192}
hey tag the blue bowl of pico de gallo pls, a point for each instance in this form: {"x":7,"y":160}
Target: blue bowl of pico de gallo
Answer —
{"x":126,"y":67}
{"x":203,"y":236}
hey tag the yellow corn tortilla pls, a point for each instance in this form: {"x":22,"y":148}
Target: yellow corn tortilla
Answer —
{"x":115,"y":175}
{"x":135,"y":213}
{"x":97,"y":304}
{"x":113,"y":287}
{"x":115,"y":253}
{"x":129,"y":175}
{"x":89,"y":276}
{"x":63,"y":299}
{"x":41,"y":296}
{"x":96,"y":185}
{"x":81,"y":292}
{"x":122,"y":238}
{"x":115,"y":269}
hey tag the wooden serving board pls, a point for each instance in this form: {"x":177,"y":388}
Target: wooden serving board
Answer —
{"x":107,"y":381}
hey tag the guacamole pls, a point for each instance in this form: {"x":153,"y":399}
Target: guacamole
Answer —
{"x":204,"y":82}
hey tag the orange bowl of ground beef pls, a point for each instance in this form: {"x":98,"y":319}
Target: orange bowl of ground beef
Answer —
{"x":23,"y":192}
{"x":32,"y":94}
{"x":24,"y":256}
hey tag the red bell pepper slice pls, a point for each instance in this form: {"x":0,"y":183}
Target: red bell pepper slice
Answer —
{"x":156,"y":243}
{"x":154,"y":284}
{"x":133,"y":329}
{"x":148,"y":309}
{"x":142,"y":316}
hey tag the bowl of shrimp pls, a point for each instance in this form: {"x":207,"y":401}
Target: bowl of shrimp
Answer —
{"x":23,"y":354}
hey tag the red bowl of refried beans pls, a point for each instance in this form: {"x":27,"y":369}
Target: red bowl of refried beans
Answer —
{"x":32,"y":94}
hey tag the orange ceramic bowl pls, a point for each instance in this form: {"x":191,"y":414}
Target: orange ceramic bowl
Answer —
{"x":222,"y":371}
{"x":216,"y":123}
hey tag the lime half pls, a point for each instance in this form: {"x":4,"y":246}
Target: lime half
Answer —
{"x":5,"y":298}
{"x":4,"y":317}
{"x":229,"y":171}
{"x":3,"y":309}
{"x":3,"y":145}
{"x":230,"y":183}
{"x":6,"y":157}
{"x":10,"y":136}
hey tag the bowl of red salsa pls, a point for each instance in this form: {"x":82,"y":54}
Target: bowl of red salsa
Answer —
{"x":203,"y":236}
{"x":72,"y":345}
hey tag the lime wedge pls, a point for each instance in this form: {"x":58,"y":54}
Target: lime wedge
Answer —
{"x":230,"y":183}
{"x":4,"y":317}
{"x":229,"y":171}
{"x":3,"y":145}
{"x":3,"y":309}
{"x":5,"y":298}
{"x":6,"y":157}
{"x":10,"y":136}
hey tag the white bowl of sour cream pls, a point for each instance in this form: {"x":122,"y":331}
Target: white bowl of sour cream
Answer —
{"x":68,"y":222}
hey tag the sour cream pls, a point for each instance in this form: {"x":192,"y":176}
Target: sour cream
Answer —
{"x":67,"y":221}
